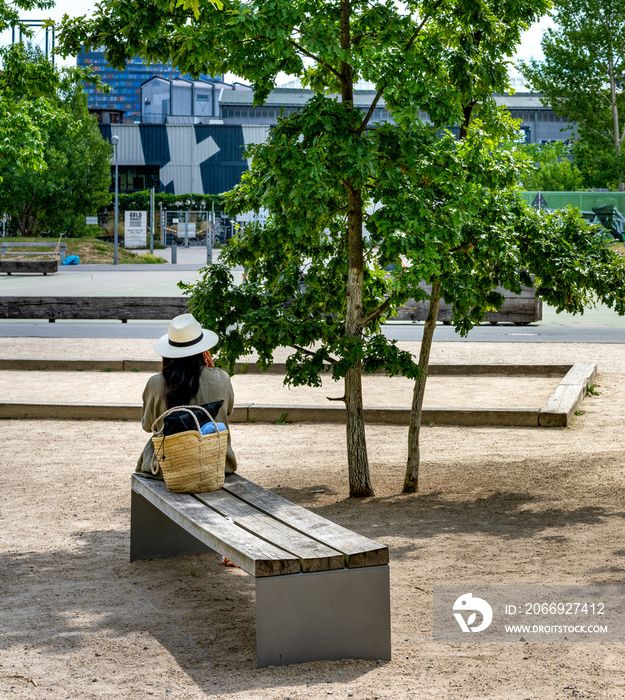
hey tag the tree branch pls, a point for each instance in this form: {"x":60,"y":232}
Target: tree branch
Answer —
{"x":306,"y":351}
{"x":605,"y":97}
{"x":590,"y":128}
{"x":306,"y":52}
{"x":374,"y":314}
{"x":358,"y":37}
{"x":407,"y":48}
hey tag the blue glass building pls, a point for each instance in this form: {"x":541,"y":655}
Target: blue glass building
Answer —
{"x":125,"y":84}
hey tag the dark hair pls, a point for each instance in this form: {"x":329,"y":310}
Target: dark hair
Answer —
{"x":182,"y":378}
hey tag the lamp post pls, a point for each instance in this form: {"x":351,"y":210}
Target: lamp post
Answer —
{"x":115,"y":141}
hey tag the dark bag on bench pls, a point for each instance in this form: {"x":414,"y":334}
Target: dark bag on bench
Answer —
{"x":181,"y":421}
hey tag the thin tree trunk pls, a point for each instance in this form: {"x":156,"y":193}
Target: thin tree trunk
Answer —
{"x":357,"y":460}
{"x":615,"y":120}
{"x":411,"y":480}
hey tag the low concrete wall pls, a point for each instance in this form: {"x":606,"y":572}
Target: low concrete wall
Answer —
{"x":137,"y":365}
{"x":556,"y":413}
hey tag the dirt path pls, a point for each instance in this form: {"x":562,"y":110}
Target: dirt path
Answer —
{"x":506,"y":506}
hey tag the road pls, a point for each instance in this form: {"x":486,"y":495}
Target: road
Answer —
{"x":600,"y":325}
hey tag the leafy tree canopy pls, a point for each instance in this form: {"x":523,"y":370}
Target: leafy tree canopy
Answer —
{"x":582,"y":74}
{"x":62,"y":169}
{"x":353,"y":217}
{"x":30,"y":94}
{"x":10,"y":12}
{"x":552,"y":170}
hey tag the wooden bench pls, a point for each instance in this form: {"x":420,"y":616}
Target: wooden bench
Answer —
{"x":48,"y":264}
{"x":106,"y":308}
{"x":519,"y":309}
{"x":322,"y":591}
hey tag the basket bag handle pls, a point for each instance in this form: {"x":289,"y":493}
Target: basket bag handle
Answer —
{"x":187,"y":409}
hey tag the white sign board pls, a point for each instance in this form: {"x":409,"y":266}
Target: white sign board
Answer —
{"x":92,"y":221}
{"x":136,"y":229}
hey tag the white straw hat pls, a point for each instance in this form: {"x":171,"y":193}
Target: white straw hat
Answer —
{"x":185,"y":337}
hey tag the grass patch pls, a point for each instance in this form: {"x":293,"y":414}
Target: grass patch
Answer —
{"x":90,"y":250}
{"x":149,"y":259}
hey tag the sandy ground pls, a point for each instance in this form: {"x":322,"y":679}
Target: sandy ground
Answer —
{"x":496,"y":506}
{"x":127,"y":388}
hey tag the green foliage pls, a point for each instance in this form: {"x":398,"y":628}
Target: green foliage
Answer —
{"x":296,"y":262}
{"x":52,"y":185}
{"x":552,"y":170}
{"x":575,"y":266}
{"x":599,"y":167}
{"x":10,"y":12}
{"x":435,"y":207}
{"x":581,"y":78}
{"x":141,"y":200}
{"x":149,"y":259}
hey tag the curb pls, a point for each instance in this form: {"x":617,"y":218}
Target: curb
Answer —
{"x":562,"y":404}
{"x":143,"y":365}
{"x":257,"y":413}
{"x":556,"y":413}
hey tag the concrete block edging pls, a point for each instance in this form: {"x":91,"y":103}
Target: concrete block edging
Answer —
{"x":557,"y":412}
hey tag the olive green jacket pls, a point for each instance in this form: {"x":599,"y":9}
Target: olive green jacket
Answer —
{"x":215,"y":385}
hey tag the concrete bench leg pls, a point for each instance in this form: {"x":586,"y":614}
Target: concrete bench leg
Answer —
{"x":154,"y":536}
{"x":326,"y":615}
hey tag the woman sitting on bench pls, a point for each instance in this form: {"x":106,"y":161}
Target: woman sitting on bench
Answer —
{"x":189,"y":377}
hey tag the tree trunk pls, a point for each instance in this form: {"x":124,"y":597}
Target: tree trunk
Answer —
{"x":411,"y":480}
{"x":615,"y":120}
{"x":357,"y":460}
{"x":614,"y":106}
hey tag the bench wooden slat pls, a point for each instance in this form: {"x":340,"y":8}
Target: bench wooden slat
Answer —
{"x":92,"y":307}
{"x":255,"y":556}
{"x":26,"y":252}
{"x":29,"y":244}
{"x":313,"y":555}
{"x":358,"y":550}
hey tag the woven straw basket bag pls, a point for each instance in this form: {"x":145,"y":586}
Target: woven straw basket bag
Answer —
{"x":190,"y":462}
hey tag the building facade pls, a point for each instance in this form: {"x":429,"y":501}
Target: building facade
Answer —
{"x":193,"y":133}
{"x":126,"y":84}
{"x":541,"y":124}
{"x":182,"y":158}
{"x":182,"y":101}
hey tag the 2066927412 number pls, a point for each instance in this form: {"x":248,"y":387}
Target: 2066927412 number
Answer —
{"x":564,"y":608}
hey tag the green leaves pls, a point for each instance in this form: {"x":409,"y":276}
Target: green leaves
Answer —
{"x":552,"y":170}
{"x":10,"y":13}
{"x":581,"y":80}
{"x":54,"y":164}
{"x":573,"y":264}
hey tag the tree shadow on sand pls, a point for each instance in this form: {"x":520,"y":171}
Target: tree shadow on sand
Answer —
{"x":91,"y":607}
{"x":506,"y":516}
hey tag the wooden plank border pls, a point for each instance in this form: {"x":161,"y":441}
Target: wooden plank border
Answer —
{"x":562,"y":404}
{"x":556,"y":413}
{"x":443,"y":369}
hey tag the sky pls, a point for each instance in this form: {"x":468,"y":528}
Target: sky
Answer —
{"x":529,"y":47}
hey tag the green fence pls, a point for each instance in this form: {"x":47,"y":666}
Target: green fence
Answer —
{"x":586,"y":201}
{"x":603,"y":208}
